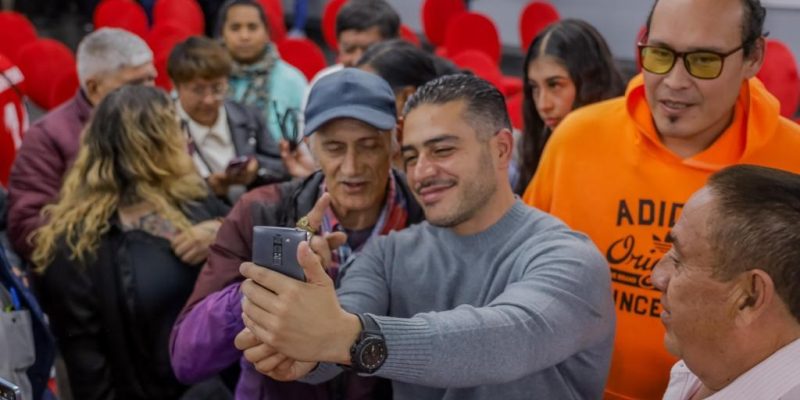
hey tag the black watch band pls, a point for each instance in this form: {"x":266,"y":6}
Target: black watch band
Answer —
{"x":368,"y":353}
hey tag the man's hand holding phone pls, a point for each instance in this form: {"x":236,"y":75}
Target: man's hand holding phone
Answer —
{"x":301,"y":321}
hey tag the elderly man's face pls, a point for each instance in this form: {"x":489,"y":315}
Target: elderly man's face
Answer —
{"x":355,"y":159}
{"x":688,"y":111}
{"x":699,"y":309}
{"x":98,"y":87}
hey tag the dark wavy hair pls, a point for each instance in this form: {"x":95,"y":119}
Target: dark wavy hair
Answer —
{"x":581,"y":49}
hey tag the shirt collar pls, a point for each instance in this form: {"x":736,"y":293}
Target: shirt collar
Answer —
{"x":199,"y":132}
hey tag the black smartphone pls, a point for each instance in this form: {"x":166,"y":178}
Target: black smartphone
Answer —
{"x":237,"y":165}
{"x":275,"y":248}
{"x":9,"y":391}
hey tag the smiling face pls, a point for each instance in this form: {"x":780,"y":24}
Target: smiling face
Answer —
{"x":355,"y":159}
{"x":690,"y":113}
{"x":450,"y":170}
{"x":699,"y":309}
{"x":552,"y":89}
{"x":244,"y":33}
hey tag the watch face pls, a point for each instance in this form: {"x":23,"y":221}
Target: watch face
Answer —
{"x":372,"y":354}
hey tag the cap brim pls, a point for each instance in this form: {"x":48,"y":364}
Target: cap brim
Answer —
{"x":369,"y":115}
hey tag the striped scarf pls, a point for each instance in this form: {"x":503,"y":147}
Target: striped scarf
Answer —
{"x":393,"y":216}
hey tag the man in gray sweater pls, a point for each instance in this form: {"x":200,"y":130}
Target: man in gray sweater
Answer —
{"x":488,"y":299}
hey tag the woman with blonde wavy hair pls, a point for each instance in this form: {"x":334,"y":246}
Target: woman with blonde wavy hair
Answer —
{"x":121,"y":249}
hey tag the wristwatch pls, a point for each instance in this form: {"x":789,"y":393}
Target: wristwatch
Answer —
{"x":368,"y":352}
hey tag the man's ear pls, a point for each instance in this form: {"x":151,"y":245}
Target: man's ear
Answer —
{"x":504,"y":147}
{"x":753,"y":62}
{"x":756,"y":296}
{"x":92,"y":89}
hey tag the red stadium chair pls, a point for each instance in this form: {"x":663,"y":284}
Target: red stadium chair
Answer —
{"x":274,"y":7}
{"x":436,"y":15}
{"x":15,"y":118}
{"x":535,"y":17}
{"x":64,"y":88}
{"x":408,"y":35}
{"x":472,"y":31}
{"x":40,"y":62}
{"x":124,"y":14}
{"x":180,"y":12}
{"x":304,"y":54}
{"x":329,"y":23}
{"x":16,"y":31}
{"x":514,"y":107}
{"x":779,"y":75}
{"x":481,"y":65}
{"x":277,"y":28}
{"x":162,"y":39}
{"x":511,"y":85}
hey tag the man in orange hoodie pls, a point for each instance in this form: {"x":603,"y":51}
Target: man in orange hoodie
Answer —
{"x":621,"y":170}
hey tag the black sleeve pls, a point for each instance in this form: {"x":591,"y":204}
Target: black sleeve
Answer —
{"x":69,"y":298}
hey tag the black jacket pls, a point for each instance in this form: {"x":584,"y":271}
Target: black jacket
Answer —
{"x":112,"y":317}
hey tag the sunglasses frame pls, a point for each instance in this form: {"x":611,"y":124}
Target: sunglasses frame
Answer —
{"x":682,"y":54}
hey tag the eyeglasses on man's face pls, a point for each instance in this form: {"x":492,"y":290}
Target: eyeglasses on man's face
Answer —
{"x":217,"y":90}
{"x":701,"y":64}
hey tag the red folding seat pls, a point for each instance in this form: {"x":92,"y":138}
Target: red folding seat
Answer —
{"x":304,"y":54}
{"x":472,"y":31}
{"x":329,"y":23}
{"x":535,"y":17}
{"x":16,"y":31}
{"x":124,"y":14}
{"x":183,"y":12}
{"x":41,"y":62}
{"x":408,"y":35}
{"x":436,"y":15}
{"x":779,"y":75}
{"x":481,"y":65}
{"x":65,"y":85}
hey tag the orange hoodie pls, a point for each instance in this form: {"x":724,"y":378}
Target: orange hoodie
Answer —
{"x":606,"y":173}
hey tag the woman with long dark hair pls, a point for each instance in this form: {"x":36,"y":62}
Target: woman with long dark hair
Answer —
{"x":568,"y":65}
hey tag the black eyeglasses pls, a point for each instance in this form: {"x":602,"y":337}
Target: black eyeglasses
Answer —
{"x":288,"y":122}
{"x":701,"y":64}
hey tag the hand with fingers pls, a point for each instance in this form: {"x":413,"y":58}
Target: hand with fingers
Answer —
{"x":192,"y":245}
{"x":298,"y":161}
{"x":296,"y":320}
{"x":268,"y":361}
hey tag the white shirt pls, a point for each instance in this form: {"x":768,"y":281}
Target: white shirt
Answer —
{"x":214,"y":147}
{"x":776,"y":378}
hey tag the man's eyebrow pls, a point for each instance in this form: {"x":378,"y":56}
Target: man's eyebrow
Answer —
{"x":713,"y":49}
{"x":445,"y":137}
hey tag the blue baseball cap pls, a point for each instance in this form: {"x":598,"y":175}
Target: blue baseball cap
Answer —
{"x":351,"y":93}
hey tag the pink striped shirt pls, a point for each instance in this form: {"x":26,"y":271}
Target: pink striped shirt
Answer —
{"x":776,"y":378}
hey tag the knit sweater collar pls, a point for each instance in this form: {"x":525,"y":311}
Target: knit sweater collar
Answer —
{"x":497,"y":233}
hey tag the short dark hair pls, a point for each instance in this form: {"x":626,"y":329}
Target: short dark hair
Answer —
{"x":583,"y":52}
{"x":198,"y":57}
{"x":755,"y":223}
{"x":223,"y":14}
{"x":361,"y":15}
{"x":752,"y":23}
{"x":485,"y":105}
{"x":400,"y":63}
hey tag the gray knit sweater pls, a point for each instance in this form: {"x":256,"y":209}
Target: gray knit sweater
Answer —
{"x":522,"y":310}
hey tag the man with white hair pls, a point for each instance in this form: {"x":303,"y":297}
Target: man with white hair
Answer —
{"x":107,"y":59}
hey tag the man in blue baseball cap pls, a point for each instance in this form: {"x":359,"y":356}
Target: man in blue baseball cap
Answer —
{"x":350,"y":119}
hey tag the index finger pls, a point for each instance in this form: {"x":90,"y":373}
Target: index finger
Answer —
{"x":316,"y":214}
